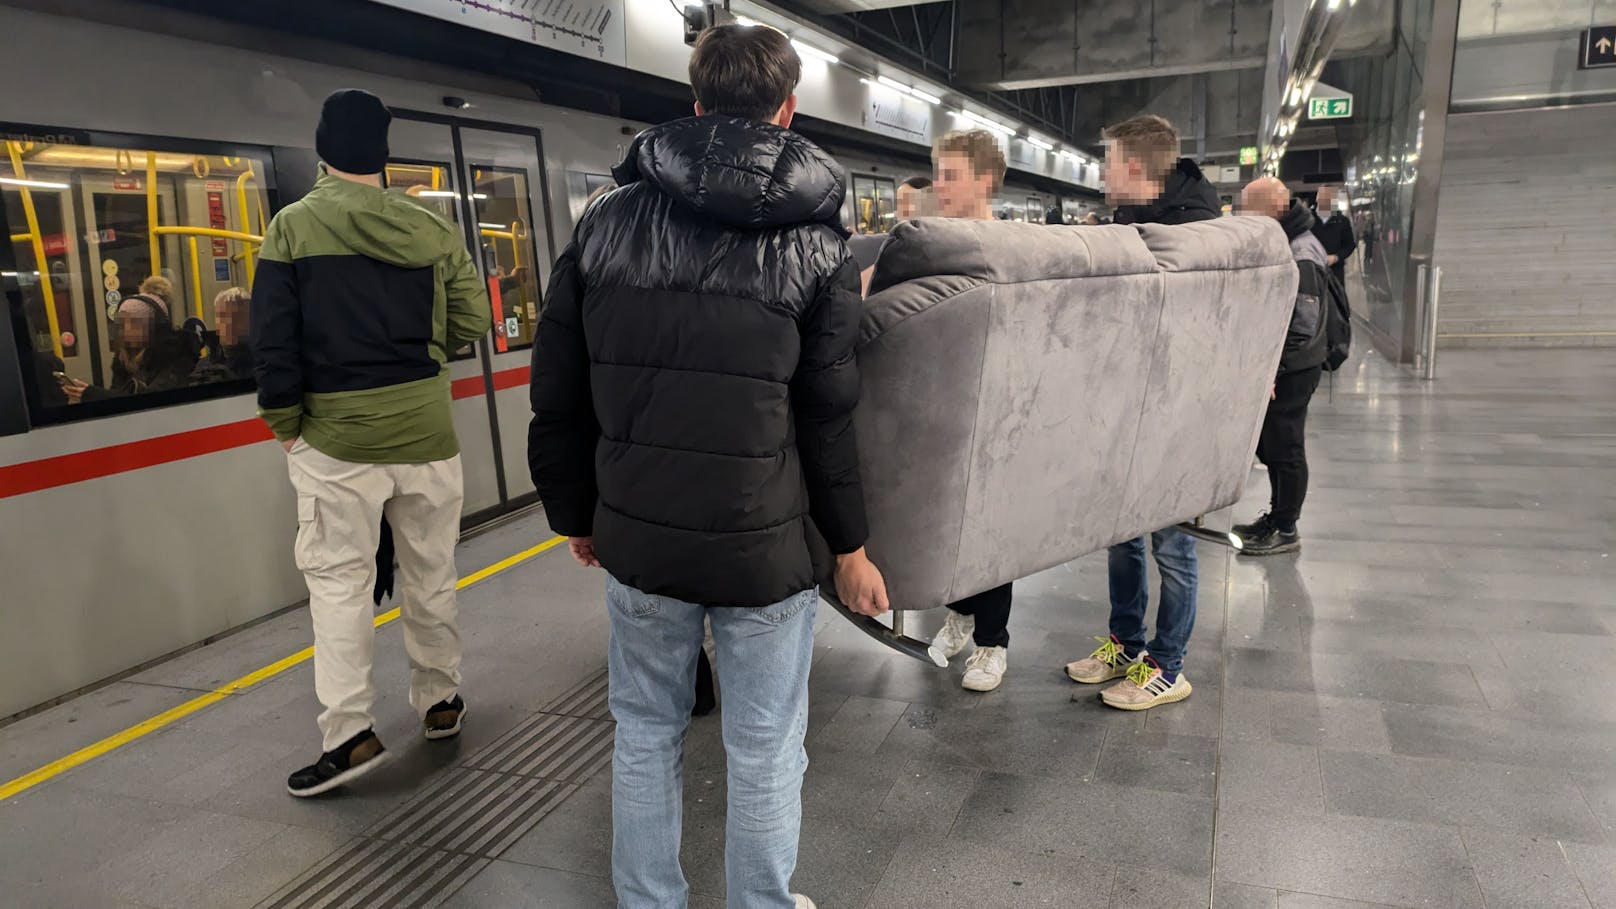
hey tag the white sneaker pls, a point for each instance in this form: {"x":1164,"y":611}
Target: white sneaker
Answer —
{"x":985,"y":669}
{"x":953,"y":637}
{"x":803,"y":902}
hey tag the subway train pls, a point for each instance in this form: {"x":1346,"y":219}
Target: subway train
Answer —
{"x":156,"y":516}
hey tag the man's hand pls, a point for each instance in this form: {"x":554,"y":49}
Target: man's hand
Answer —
{"x":859,"y":584}
{"x":74,"y":389}
{"x":288,"y":443}
{"x":1273,"y":392}
{"x":583,"y":551}
{"x":1331,"y":259}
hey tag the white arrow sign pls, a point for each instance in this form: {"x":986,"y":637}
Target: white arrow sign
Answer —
{"x":1603,"y":44}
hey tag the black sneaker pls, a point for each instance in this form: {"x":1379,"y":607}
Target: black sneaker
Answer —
{"x":443,"y":719}
{"x":1272,"y":541}
{"x":1256,"y":528}
{"x":345,"y":763}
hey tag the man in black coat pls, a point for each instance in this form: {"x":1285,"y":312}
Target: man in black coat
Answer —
{"x":1149,"y":184}
{"x":1334,"y":230}
{"x":1281,"y":446}
{"x":693,"y":390}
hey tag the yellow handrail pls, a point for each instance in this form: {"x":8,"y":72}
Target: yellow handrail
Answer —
{"x":218,"y":232}
{"x":196,"y":277}
{"x":38,"y":242}
{"x":516,"y":232}
{"x":241,"y":199}
{"x":151,"y":214}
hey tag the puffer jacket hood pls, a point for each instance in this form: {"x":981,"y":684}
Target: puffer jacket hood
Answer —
{"x":1187,"y":197}
{"x":380,"y":224}
{"x":694,"y":375}
{"x":738,"y":172}
{"x":1297,"y":223}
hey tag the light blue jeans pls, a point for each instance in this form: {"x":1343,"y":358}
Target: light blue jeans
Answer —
{"x":762,"y":665}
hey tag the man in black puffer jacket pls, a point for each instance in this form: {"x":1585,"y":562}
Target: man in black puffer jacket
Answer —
{"x":693,"y":392}
{"x":1281,"y":445}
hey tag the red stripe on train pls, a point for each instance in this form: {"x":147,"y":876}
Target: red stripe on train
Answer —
{"x":65,"y":470}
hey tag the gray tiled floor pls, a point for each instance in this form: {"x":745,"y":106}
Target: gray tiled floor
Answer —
{"x":1417,"y":711}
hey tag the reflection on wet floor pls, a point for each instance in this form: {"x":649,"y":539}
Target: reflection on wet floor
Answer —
{"x":1415,"y":711}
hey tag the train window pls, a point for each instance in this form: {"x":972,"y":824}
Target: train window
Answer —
{"x":875,"y":201}
{"x":429,"y":183}
{"x":502,"y":202}
{"x":134,"y":263}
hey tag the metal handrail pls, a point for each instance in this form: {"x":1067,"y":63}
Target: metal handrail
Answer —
{"x":192,"y":234}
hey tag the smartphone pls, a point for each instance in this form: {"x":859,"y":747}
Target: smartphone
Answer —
{"x":62,"y":377}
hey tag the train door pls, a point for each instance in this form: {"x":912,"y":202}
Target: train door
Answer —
{"x":875,"y":201}
{"x":505,"y":170}
{"x":423,"y":166}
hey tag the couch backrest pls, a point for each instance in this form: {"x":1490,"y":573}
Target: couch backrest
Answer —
{"x":1035,"y":393}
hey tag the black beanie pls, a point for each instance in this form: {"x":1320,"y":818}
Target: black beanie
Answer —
{"x":352,"y":135}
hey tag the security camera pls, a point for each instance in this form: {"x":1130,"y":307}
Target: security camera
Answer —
{"x":701,"y":16}
{"x":456,"y":103}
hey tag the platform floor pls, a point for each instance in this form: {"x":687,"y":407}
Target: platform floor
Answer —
{"x":1419,"y":710}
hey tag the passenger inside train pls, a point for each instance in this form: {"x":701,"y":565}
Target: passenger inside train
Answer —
{"x":228,"y":354}
{"x":148,"y":353}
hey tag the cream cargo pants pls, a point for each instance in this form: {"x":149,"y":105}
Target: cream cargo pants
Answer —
{"x":339,"y":514}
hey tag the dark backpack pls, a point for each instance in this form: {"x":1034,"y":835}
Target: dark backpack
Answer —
{"x":1338,"y":325}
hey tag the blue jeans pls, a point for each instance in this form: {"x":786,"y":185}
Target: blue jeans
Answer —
{"x":763,"y":659}
{"x":1130,"y":595}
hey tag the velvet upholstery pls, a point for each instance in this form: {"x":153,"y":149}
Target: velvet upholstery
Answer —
{"x":1035,"y":393}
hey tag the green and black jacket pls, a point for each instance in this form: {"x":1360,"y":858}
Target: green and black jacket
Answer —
{"x":359,"y":297}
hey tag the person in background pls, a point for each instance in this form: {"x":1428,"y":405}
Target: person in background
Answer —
{"x":693,"y":389}
{"x":1092,"y":219}
{"x":147,"y":353}
{"x":914,"y":198}
{"x":1334,"y":230}
{"x":1149,"y":183}
{"x":970,"y":169}
{"x":1281,"y":446}
{"x":1054,"y":215}
{"x":230,"y":357}
{"x":359,"y":297}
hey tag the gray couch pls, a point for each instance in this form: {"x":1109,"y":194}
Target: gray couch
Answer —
{"x":1033,"y":394}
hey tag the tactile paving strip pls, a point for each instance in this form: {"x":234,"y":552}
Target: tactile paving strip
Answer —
{"x":423,"y":851}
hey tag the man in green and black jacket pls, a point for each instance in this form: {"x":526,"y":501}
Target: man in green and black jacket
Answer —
{"x":359,"y":297}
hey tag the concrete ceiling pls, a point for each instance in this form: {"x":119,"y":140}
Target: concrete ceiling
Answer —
{"x":829,"y":7}
{"x":1039,"y":43}
{"x":1493,"y":18}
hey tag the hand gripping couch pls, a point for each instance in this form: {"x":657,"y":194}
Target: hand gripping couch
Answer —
{"x":1032,"y":394}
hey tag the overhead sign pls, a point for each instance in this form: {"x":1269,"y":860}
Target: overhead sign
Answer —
{"x":893,"y":114}
{"x":1329,"y":108}
{"x":588,"y":29}
{"x":1598,"y":47}
{"x":1248,"y":154}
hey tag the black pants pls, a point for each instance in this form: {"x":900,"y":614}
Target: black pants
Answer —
{"x":1282,"y":445}
{"x":992,"y":611}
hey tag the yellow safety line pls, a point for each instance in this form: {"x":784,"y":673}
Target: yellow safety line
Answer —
{"x":146,"y":727}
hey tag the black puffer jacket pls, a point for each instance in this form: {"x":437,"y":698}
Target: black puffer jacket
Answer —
{"x":693,"y":376}
{"x":1187,"y":197}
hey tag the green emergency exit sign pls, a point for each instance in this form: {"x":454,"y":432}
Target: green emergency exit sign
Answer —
{"x":1329,"y":108}
{"x":1248,"y":154}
